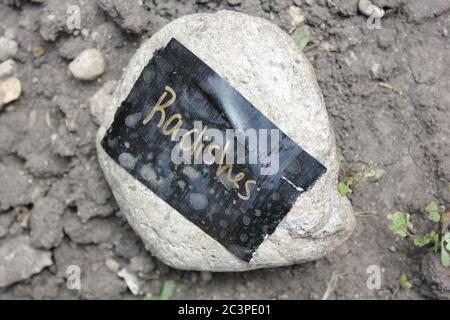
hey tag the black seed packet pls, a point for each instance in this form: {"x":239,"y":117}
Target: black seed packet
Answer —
{"x":179,"y":104}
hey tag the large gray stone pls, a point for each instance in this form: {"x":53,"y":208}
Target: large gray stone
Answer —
{"x":264,"y":65}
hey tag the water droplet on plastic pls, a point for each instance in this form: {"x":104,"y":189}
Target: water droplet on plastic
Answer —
{"x":127,"y":160}
{"x":198,"y":201}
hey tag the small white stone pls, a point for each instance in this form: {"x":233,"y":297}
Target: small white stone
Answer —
{"x":131,"y":280}
{"x":85,"y":33}
{"x":89,"y":65}
{"x":375,"y":70}
{"x":327,"y":47}
{"x":10,"y":90}
{"x":7,"y":68}
{"x":297,"y":16}
{"x":367,"y":8}
{"x":8,"y":48}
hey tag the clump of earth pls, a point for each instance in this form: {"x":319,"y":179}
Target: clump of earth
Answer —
{"x":387,"y":95}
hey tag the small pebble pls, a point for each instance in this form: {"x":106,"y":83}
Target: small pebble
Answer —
{"x":112,"y":265}
{"x":375,"y":70}
{"x":131,"y":280}
{"x":38,"y":52}
{"x":8,"y":48}
{"x":367,"y":8}
{"x":297,"y":16}
{"x":89,"y":65}
{"x":7,"y":68}
{"x":10,"y":90}
{"x":327,"y":47}
{"x":85,"y":33}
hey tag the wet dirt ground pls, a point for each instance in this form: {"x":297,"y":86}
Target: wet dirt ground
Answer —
{"x":400,"y":129}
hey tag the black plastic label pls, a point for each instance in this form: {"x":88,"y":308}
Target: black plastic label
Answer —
{"x":199,"y":145}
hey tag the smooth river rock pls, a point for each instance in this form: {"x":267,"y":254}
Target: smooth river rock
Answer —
{"x":262,"y":62}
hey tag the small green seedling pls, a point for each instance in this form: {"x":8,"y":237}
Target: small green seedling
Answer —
{"x":344,"y":188}
{"x":166,"y":292}
{"x":404,"y":282}
{"x":400,"y":224}
{"x":436,"y":241}
{"x":433,"y":212}
{"x":301,"y":36}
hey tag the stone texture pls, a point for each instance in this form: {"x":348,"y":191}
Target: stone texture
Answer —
{"x":264,"y":60}
{"x":5,"y":221}
{"x":45,"y":223}
{"x":93,"y":231}
{"x":100,"y":100}
{"x":20,"y":261}
{"x":129,"y":15}
{"x":418,"y":11}
{"x":16,"y":188}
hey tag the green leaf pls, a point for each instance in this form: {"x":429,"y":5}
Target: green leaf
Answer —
{"x":446,"y":241}
{"x":368,"y":173}
{"x":429,"y":238}
{"x":343,"y":189}
{"x":432,"y":206}
{"x":166,"y":292}
{"x":445,"y":259}
{"x":301,"y":36}
{"x":399,"y":224}
{"x":433,"y":212}
{"x":404,"y":282}
{"x":422,"y":241}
